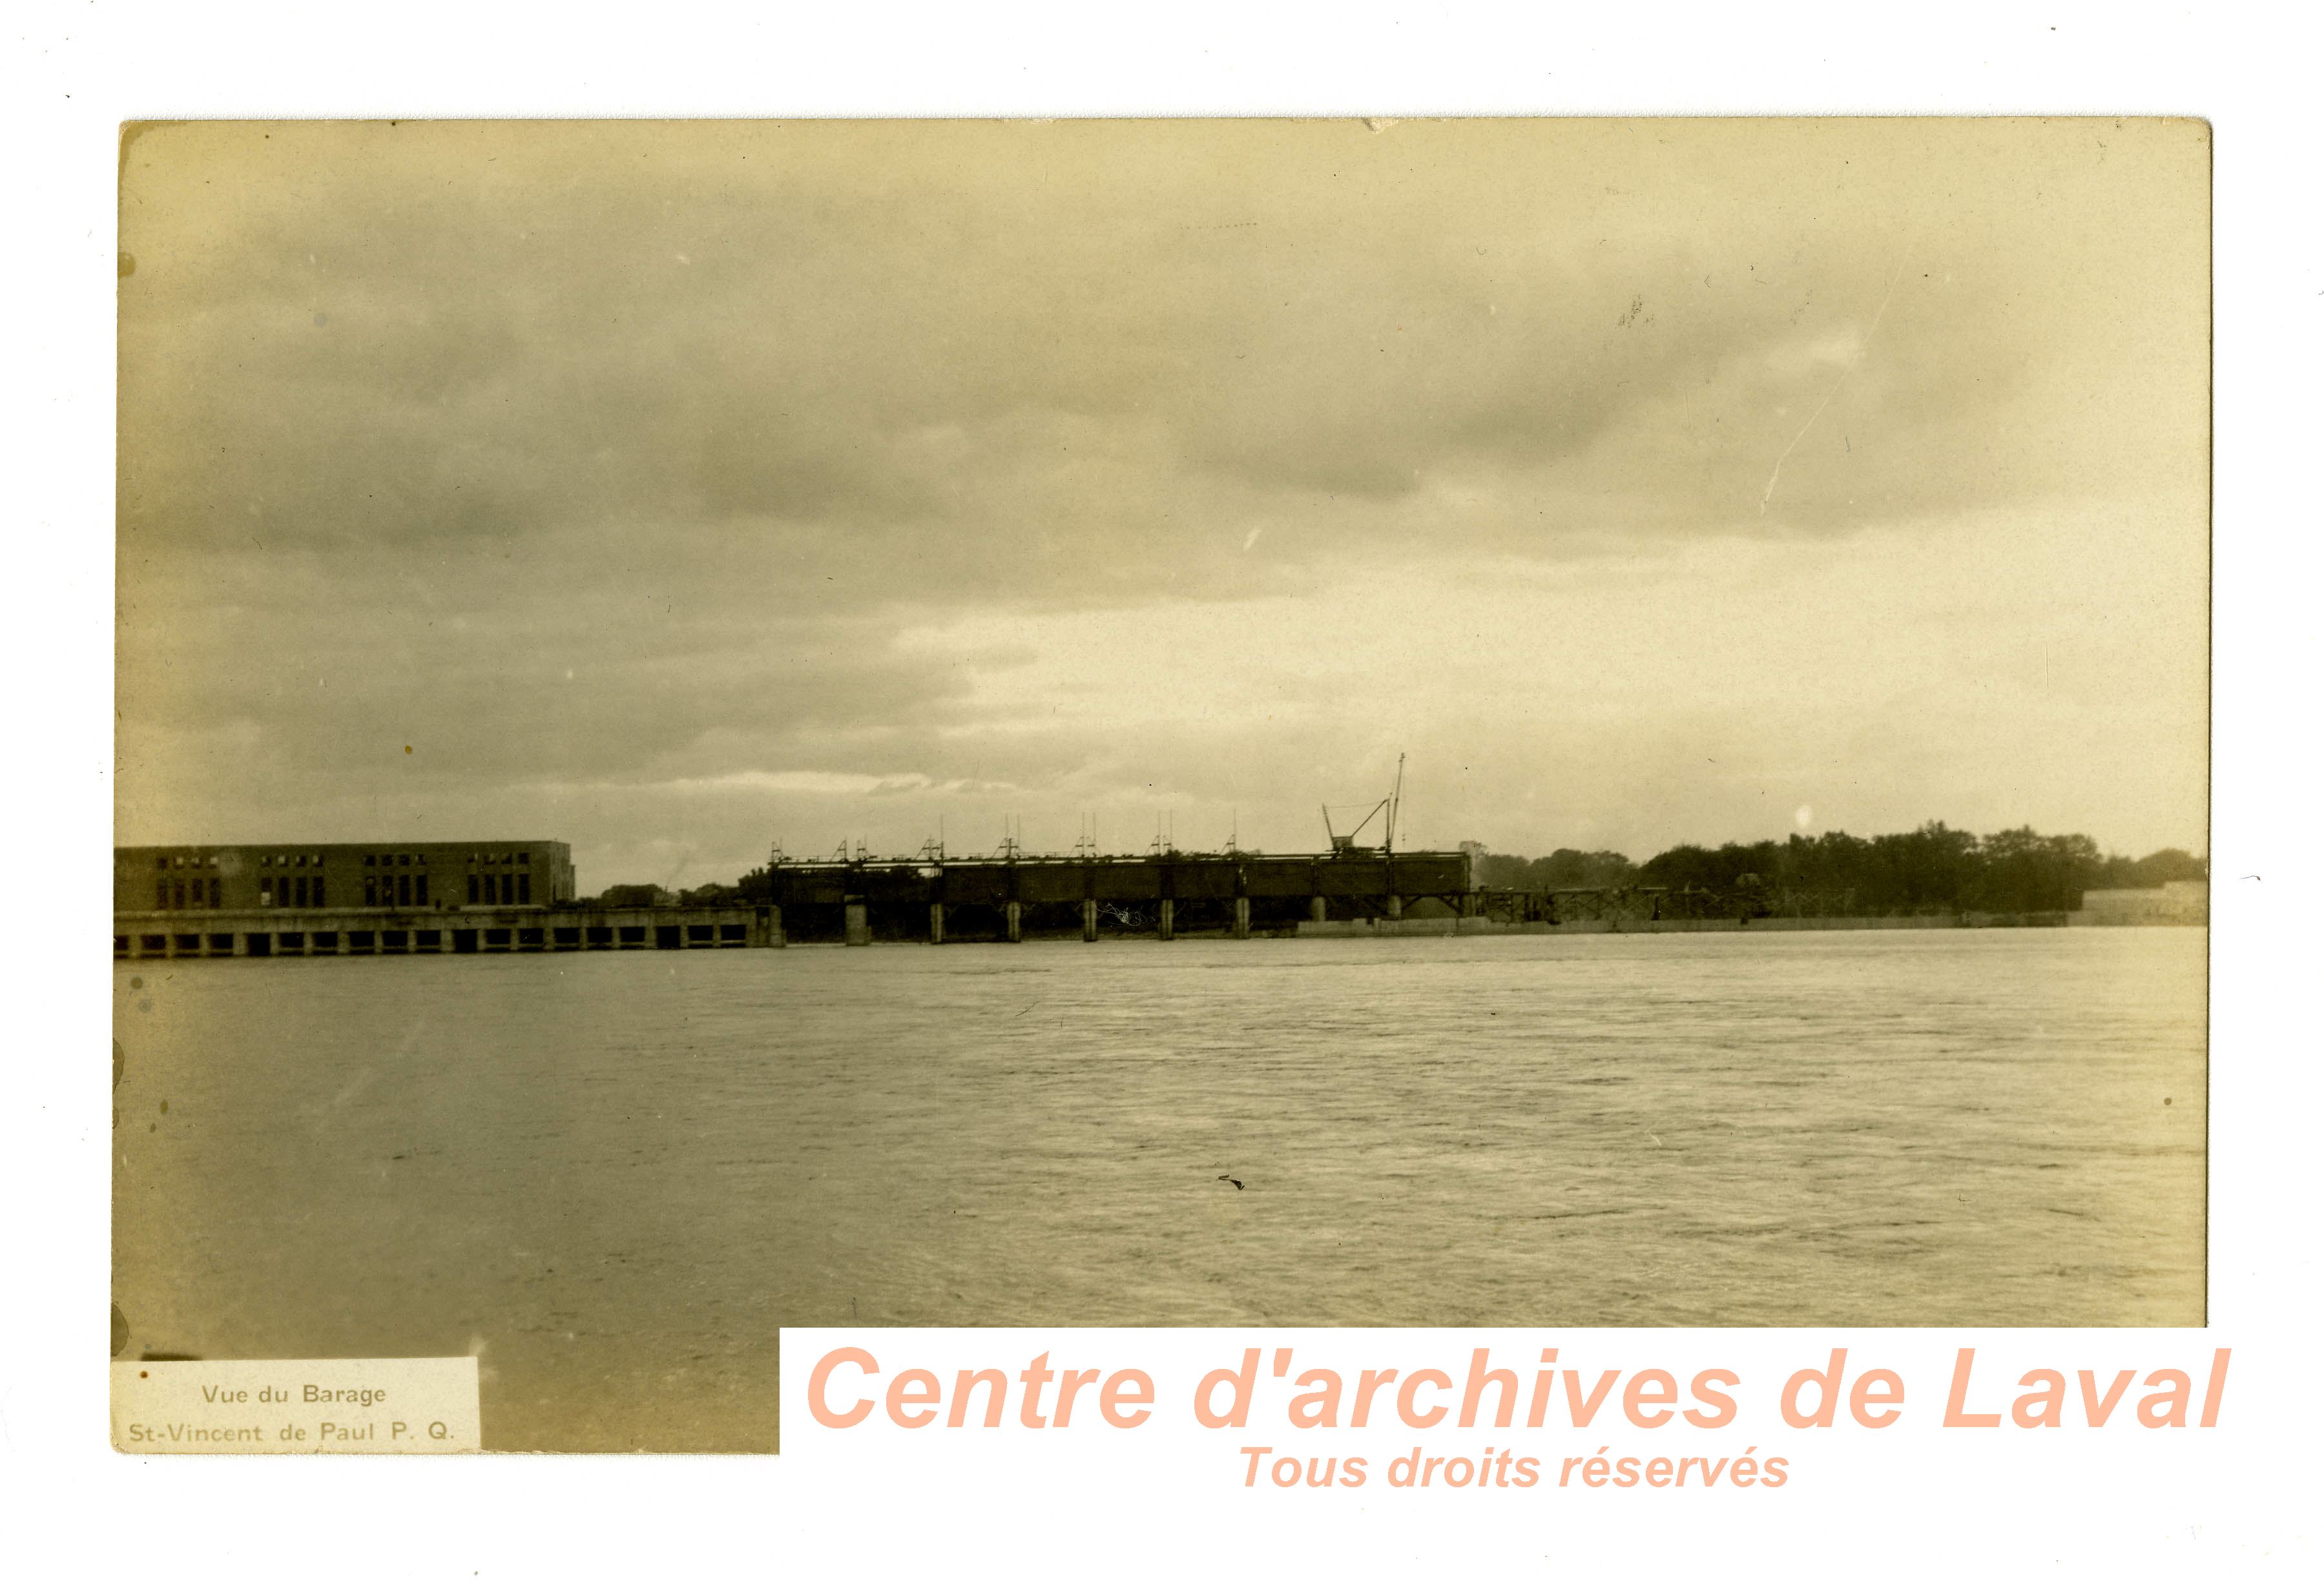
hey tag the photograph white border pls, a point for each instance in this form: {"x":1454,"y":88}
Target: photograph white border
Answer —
{"x":2231,"y":1502}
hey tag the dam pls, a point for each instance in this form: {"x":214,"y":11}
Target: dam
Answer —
{"x":853,"y":902}
{"x":1161,"y":895}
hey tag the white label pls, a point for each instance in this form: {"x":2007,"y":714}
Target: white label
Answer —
{"x":296,"y":1406}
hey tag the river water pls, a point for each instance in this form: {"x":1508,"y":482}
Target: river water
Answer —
{"x":614,"y":1176}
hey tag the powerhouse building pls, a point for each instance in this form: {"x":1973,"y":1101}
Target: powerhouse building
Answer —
{"x":398,"y":876}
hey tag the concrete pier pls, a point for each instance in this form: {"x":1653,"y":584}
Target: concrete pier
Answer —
{"x":936,"y":924}
{"x":775,"y":927}
{"x":1016,"y":917}
{"x":1396,"y":908}
{"x":1168,"y":922}
{"x":858,"y":923}
{"x":1242,"y":918}
{"x":1089,"y":918}
{"x":1315,"y":909}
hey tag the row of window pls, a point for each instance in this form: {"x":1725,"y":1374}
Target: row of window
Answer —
{"x":172,"y":896}
{"x":210,"y":860}
{"x":292,"y":891}
{"x":395,"y":891}
{"x":315,"y":860}
{"x":305,"y":891}
{"x":380,"y":890}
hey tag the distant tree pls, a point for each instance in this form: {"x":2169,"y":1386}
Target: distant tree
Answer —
{"x":1497,"y":872}
{"x":632,"y":896}
{"x":2023,"y":871}
{"x":1568,"y":867}
{"x":2157,"y":869}
{"x":1565,"y":868}
{"x":1932,"y":869}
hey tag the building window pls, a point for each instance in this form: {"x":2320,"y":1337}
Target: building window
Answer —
{"x":420,"y":889}
{"x":473,"y":897}
{"x":318,"y":892}
{"x":162,"y":860}
{"x":524,"y":887}
{"x":215,"y":891}
{"x":161,"y":894}
{"x":403,"y":891}
{"x":369,"y":860}
{"x":371,"y":889}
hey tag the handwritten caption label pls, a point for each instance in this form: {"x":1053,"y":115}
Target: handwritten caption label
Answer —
{"x":296,"y":1406}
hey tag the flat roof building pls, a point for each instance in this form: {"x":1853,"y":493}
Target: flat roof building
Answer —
{"x":402,"y":876}
{"x":2171,"y":902}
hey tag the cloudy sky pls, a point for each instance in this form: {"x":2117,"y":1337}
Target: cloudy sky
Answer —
{"x":677,"y":489}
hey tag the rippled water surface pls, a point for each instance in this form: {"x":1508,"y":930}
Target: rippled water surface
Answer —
{"x":615,"y":1176}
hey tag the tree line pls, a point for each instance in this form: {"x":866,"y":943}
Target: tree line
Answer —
{"x":1932,"y":869}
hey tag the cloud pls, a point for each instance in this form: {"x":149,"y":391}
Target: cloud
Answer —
{"x":724,"y":421}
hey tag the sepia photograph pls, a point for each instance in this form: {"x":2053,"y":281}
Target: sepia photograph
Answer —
{"x":1470,"y":723}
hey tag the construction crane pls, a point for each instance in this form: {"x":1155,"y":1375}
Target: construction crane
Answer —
{"x":1390,"y":805}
